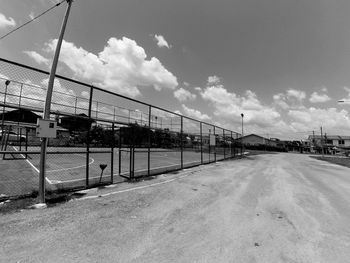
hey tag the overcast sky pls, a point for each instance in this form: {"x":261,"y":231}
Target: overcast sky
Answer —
{"x":283,"y":63}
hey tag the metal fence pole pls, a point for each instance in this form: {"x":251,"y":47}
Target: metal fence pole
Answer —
{"x":88,"y":138}
{"x":232,"y":145}
{"x":223,"y":134}
{"x":214,"y":144}
{"x":112,"y":154}
{"x":120,"y":151}
{"x":181,"y":143}
{"x":149,"y":141}
{"x":3,"y":116}
{"x":201,"y":142}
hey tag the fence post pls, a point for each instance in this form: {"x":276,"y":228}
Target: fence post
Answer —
{"x":120,"y":151}
{"x":88,"y":137}
{"x":201,"y":142}
{"x":214,"y":144}
{"x":181,"y":143}
{"x":149,"y":141}
{"x":232,"y":145}
{"x":223,"y":134}
{"x":112,"y":154}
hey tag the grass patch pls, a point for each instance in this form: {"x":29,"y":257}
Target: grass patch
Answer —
{"x":344,"y":161}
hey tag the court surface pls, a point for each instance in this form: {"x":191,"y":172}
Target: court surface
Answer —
{"x":67,"y":167}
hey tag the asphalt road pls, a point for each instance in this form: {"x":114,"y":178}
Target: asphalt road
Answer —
{"x":267,"y":208}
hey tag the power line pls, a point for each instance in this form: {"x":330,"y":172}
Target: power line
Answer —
{"x":43,"y":13}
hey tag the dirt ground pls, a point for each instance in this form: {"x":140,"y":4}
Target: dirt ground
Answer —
{"x":265,"y":208}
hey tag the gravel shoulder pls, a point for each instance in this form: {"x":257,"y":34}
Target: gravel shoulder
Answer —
{"x":265,"y":208}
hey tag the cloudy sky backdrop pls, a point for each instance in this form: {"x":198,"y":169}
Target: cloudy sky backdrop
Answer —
{"x":282,"y":63}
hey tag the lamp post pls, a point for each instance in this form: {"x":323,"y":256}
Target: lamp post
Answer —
{"x":242,"y":147}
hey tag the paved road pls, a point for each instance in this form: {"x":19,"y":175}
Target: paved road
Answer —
{"x":267,"y":208}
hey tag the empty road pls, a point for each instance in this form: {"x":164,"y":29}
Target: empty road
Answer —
{"x":267,"y":208}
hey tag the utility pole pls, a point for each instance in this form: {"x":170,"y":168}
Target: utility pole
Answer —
{"x":47,"y":108}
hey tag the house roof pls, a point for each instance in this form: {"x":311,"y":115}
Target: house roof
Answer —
{"x":330,"y":137}
{"x":252,"y":135}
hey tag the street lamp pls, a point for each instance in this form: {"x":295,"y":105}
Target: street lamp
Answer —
{"x":242,"y":147}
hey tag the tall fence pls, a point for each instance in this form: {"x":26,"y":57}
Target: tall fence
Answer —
{"x":102,"y":137}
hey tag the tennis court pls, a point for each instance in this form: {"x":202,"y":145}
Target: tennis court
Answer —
{"x":72,"y":167}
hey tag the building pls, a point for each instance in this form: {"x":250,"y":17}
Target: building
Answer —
{"x":253,"y":139}
{"x":20,"y":115}
{"x":330,"y":140}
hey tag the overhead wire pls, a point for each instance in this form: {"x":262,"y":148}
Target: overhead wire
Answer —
{"x":43,"y":13}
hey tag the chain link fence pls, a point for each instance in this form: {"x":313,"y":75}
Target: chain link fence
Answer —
{"x":102,"y":137}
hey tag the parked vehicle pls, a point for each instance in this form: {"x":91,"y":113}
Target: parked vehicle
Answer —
{"x":12,"y":136}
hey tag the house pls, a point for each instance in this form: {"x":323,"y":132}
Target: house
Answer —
{"x":20,"y":115}
{"x":330,"y":140}
{"x":253,"y":139}
{"x":23,"y":122}
{"x":330,"y":143}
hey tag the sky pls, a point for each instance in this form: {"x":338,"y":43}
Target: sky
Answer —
{"x":284,"y":64}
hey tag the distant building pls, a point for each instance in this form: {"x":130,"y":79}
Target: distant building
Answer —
{"x":329,"y":140}
{"x":329,"y":144}
{"x":253,"y":139}
{"x":20,"y":115}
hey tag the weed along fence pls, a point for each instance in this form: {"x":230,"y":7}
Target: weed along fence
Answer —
{"x":102,"y":137}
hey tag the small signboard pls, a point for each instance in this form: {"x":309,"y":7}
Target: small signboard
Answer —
{"x":46,"y":129}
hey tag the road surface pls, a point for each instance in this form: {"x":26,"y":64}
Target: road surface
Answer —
{"x":266,"y":208}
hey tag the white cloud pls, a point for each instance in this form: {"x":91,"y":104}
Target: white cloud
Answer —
{"x":121,"y":67}
{"x":196,"y":114}
{"x":291,"y":99}
{"x":228,"y":107}
{"x":212,"y":80}
{"x":161,"y":42}
{"x":6,"y":22}
{"x":37,"y":57}
{"x":198,"y":88}
{"x":319,"y":98}
{"x":280,"y":100}
{"x":183,"y":95}
{"x":346,"y":100}
{"x":313,"y":118}
{"x":297,"y":94}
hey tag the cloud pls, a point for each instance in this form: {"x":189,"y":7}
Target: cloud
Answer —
{"x":297,"y":94}
{"x":121,"y":67}
{"x":196,"y":114}
{"x":212,"y":80}
{"x":281,"y":101}
{"x":228,"y":106}
{"x":161,"y":42}
{"x":198,"y":88}
{"x":346,"y":100}
{"x":37,"y":57}
{"x":6,"y":22}
{"x":313,"y":118}
{"x":291,"y":99}
{"x":319,"y":98}
{"x":183,"y":95}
